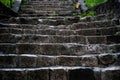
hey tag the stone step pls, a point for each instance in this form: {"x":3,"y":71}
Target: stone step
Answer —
{"x":15,"y":25}
{"x":52,"y":31}
{"x":32,"y":38}
{"x":37,"y":16}
{"x":94,"y":24}
{"x":98,"y":31}
{"x":47,"y":3}
{"x":27,"y":61}
{"x":48,"y":13}
{"x":74,"y":24}
{"x":37,"y":31}
{"x":99,"y":17}
{"x":46,"y":23}
{"x":37,"y":61}
{"x":50,"y":1}
{"x":53,"y":9}
{"x":47,"y":7}
{"x":36,"y":38}
{"x":58,"y":48}
{"x":109,"y":39}
{"x":55,"y":6}
{"x":61,"y":73}
{"x":41,"y":21}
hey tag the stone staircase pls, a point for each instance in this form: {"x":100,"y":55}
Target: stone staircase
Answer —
{"x":48,"y":8}
{"x":44,"y":45}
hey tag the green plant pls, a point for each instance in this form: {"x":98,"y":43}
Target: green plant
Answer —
{"x":84,"y":14}
{"x":91,"y":13}
{"x":24,"y":1}
{"x":8,"y":3}
{"x":91,"y":3}
{"x":22,"y":6}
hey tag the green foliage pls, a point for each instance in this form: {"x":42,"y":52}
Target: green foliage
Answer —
{"x":24,"y":1}
{"x":8,"y":3}
{"x":22,"y":4}
{"x":84,"y":14}
{"x":91,"y":3}
{"x":91,"y":13}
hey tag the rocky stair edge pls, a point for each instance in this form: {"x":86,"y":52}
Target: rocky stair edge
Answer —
{"x":62,"y":73}
{"x":37,"y":38}
{"x":58,"y":48}
{"x":38,"y":61}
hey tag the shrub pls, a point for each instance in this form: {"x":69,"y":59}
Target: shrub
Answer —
{"x":8,"y":3}
{"x":91,"y":3}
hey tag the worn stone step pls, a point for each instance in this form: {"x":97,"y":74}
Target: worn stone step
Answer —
{"x":99,"y":17}
{"x":52,"y":1}
{"x":37,"y":31}
{"x":94,"y":24}
{"x":11,"y":31}
{"x":38,"y":11}
{"x":35,"y":61}
{"x":36,"y":38}
{"x":15,"y":25}
{"x":97,"y":31}
{"x":55,"y":1}
{"x":81,"y":25}
{"x":48,"y":4}
{"x":109,"y":39}
{"x":74,"y":24}
{"x":43,"y":48}
{"x":58,"y":48}
{"x":32,"y":38}
{"x":47,"y":13}
{"x":41,"y":21}
{"x":55,"y":30}
{"x":37,"y":16}
{"x":86,"y":32}
{"x":55,"y":6}
{"x":29,"y":61}
{"x":48,"y":8}
{"x":61,"y":73}
{"x":54,"y":9}
{"x":58,"y":24}
{"x":27,"y":26}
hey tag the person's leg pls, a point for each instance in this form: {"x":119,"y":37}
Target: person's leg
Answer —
{"x":82,"y":6}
